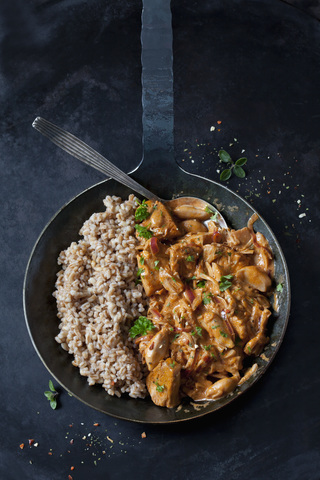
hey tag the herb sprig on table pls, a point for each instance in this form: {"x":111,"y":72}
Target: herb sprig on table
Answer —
{"x":235,"y":167}
{"x":52,"y":395}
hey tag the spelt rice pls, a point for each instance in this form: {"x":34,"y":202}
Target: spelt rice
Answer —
{"x":97,"y":298}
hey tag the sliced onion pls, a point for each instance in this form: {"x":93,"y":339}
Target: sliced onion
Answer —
{"x":190,"y":295}
{"x":156,"y":313}
{"x":154,"y":245}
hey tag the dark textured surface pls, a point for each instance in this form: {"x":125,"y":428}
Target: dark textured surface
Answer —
{"x":254,"y":66}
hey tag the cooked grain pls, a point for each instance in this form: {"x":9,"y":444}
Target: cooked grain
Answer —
{"x":97,"y":298}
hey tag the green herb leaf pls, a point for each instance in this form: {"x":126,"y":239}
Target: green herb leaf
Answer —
{"x":225,"y":175}
{"x":208,"y":209}
{"x":241,"y":161}
{"x":172,"y":365}
{"x":51,"y":386}
{"x":207,"y":347}
{"x":201,"y":284}
{"x":225,"y":282}
{"x":53,"y":403}
{"x":190,"y":258}
{"x":239,"y":172}
{"x":206,"y":298}
{"x":279,"y":287}
{"x":140,"y":272}
{"x":199,"y":331}
{"x":141,"y":260}
{"x":224,"y":156}
{"x":159,"y":388}
{"x":156,"y":264}
{"x":48,"y":394}
{"x":223,"y":334}
{"x":141,"y":326}
{"x":143,"y":232}
{"x":141,"y":212}
{"x":214,"y":216}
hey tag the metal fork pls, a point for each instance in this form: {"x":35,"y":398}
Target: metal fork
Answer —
{"x":80,"y":150}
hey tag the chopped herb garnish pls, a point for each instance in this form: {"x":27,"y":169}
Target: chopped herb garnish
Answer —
{"x":206,"y":298}
{"x":207,"y":347}
{"x":199,"y":331}
{"x":214,"y":327}
{"x":225,"y":335}
{"x":140,"y":272}
{"x":174,"y":279}
{"x":249,"y":349}
{"x":141,"y":326}
{"x":141,"y":260}
{"x":213,"y":356}
{"x":52,"y":395}
{"x":177,"y":335}
{"x":208,"y":209}
{"x":201,"y":284}
{"x":279,"y":287}
{"x":143,"y":232}
{"x":141,"y":212}
{"x":156,"y":264}
{"x":159,"y":388}
{"x":193,"y":333}
{"x":172,"y":365}
{"x":225,"y":282}
{"x":190,"y":258}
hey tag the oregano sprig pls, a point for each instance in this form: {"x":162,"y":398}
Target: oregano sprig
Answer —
{"x":235,"y":167}
{"x":52,"y":395}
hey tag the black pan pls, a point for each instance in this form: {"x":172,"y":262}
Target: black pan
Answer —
{"x":158,"y":172}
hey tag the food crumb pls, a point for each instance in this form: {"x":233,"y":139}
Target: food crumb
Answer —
{"x":110,"y":439}
{"x":31,"y":441}
{"x":143,"y":435}
{"x":72,"y":468}
{"x":21,"y":446}
{"x":96,"y":424}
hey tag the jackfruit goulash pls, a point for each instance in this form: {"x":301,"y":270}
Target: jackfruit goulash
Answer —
{"x":208,"y":305}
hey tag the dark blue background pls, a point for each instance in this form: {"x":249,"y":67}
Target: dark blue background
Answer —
{"x":252,"y":65}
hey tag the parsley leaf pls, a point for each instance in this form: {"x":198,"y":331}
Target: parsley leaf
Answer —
{"x":206,"y":298}
{"x":199,"y":331}
{"x":159,"y":388}
{"x":156,"y":264}
{"x":141,"y":212}
{"x":225,"y":282}
{"x":141,"y":326}
{"x":201,"y":284}
{"x":190,"y":258}
{"x":143,"y":232}
{"x":279,"y":287}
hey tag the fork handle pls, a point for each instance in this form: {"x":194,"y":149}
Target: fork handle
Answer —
{"x":80,"y":150}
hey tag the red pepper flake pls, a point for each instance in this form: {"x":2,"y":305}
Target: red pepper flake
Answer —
{"x":71,"y":425}
{"x":219,"y":122}
{"x":72,"y":468}
{"x":31,"y":441}
{"x":49,"y":453}
{"x":21,"y":446}
{"x":69,"y":477}
{"x":96,"y":424}
{"x":143,"y":435}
